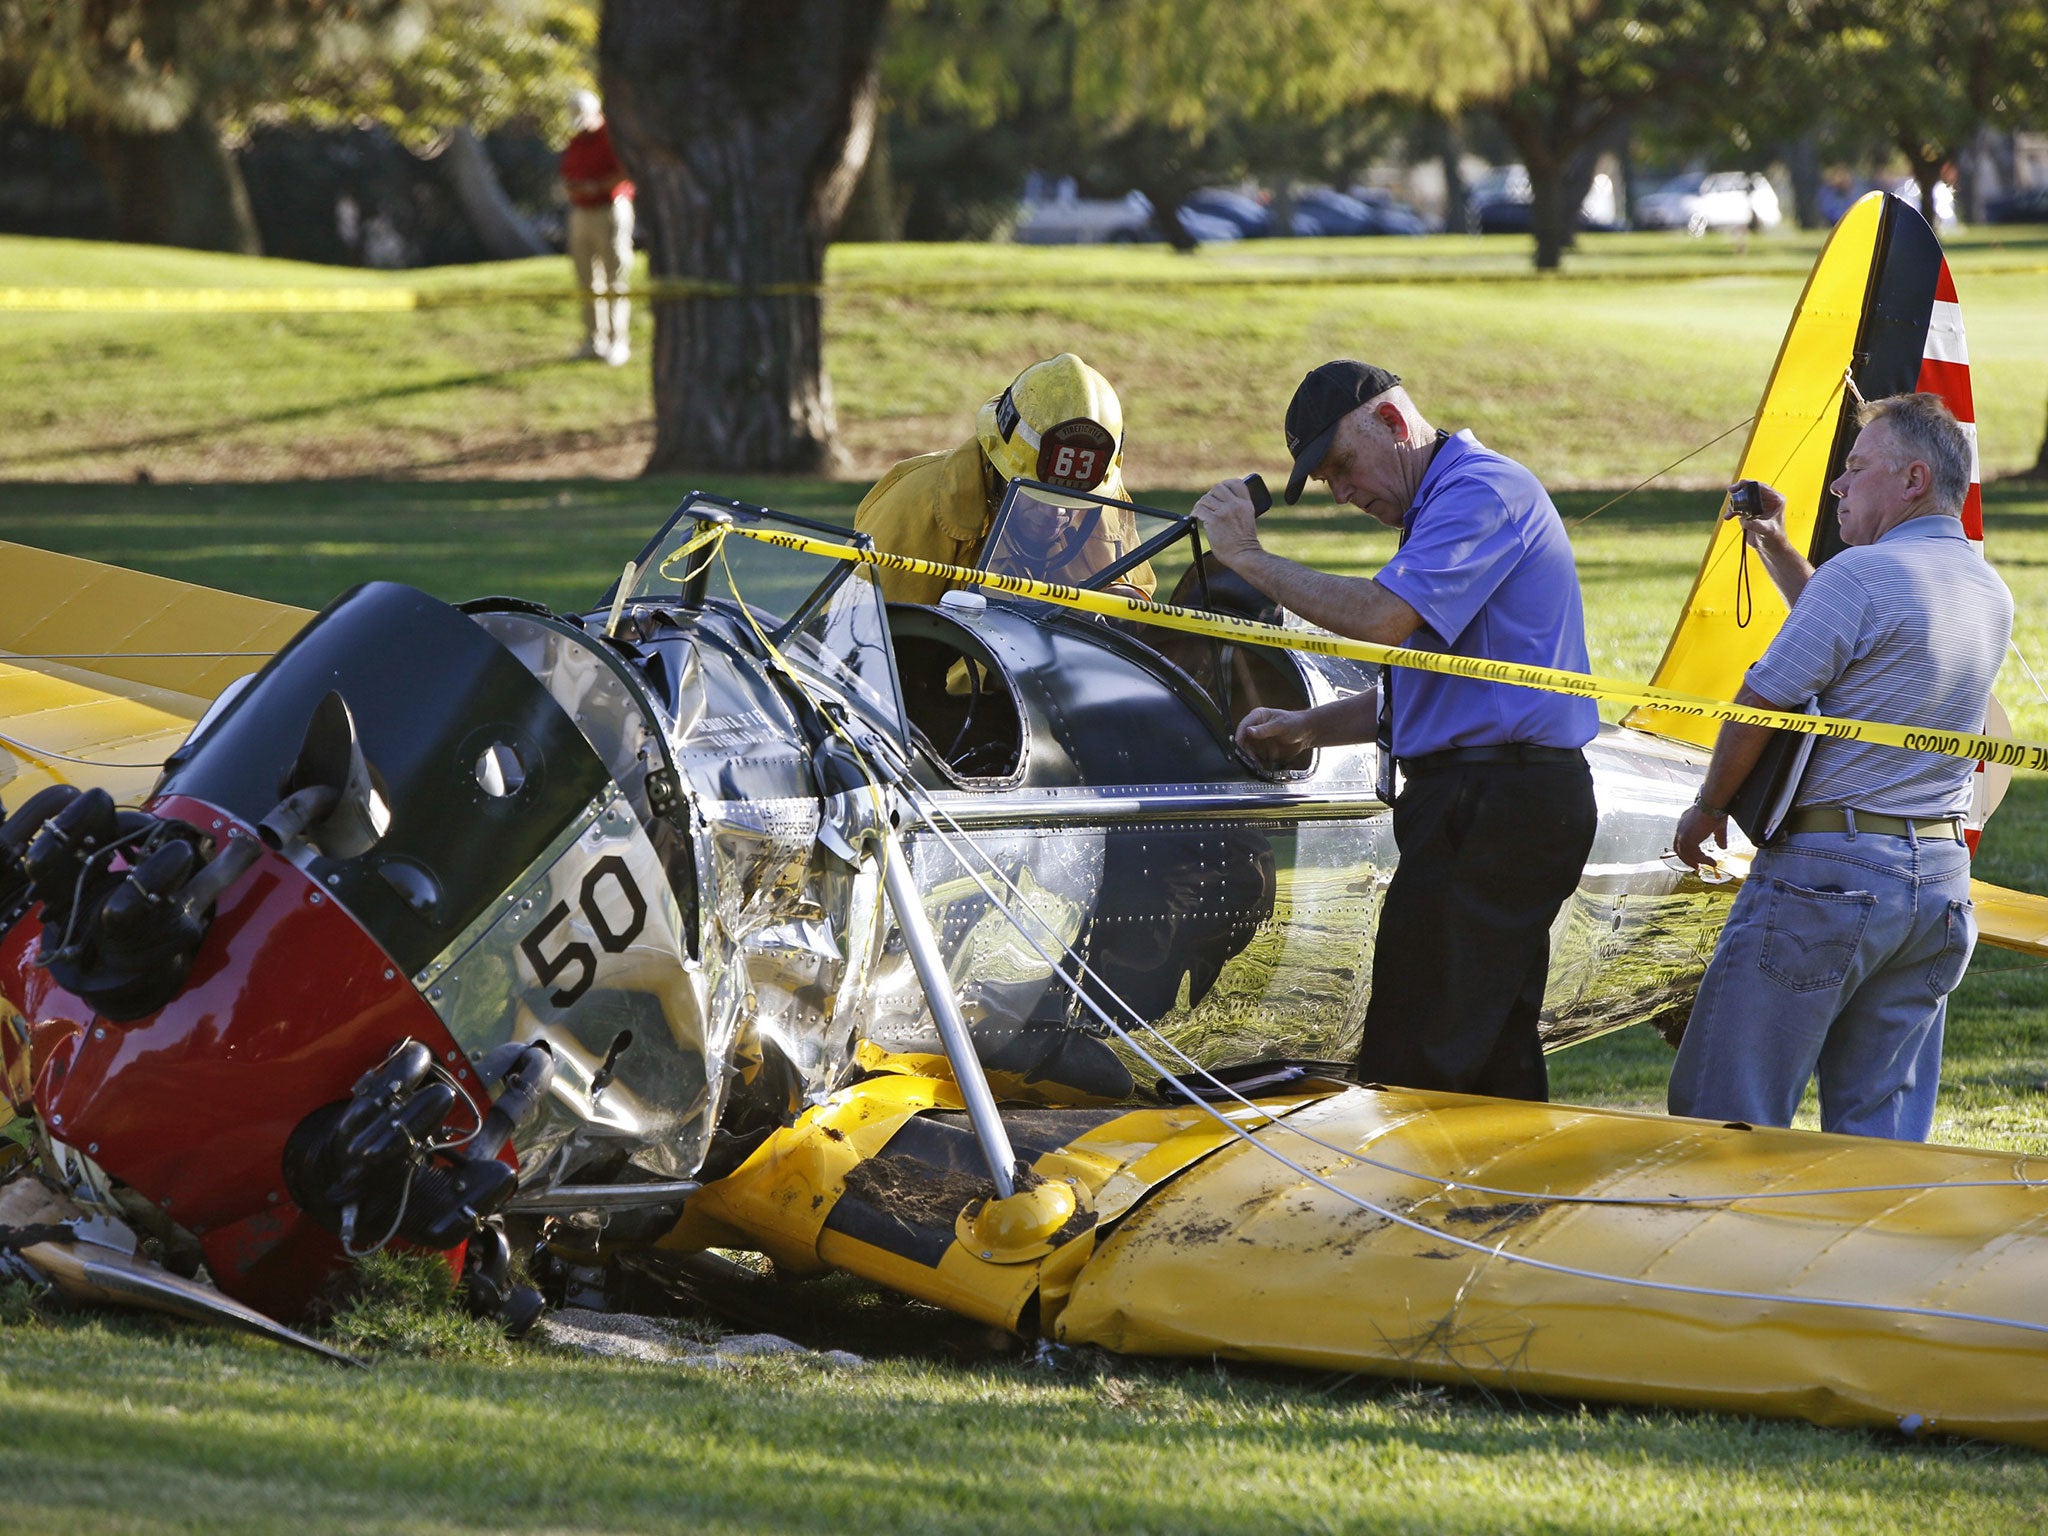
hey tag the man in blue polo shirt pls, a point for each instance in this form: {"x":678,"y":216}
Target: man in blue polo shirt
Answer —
{"x":1497,"y":813}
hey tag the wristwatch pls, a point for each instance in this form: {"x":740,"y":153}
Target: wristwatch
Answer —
{"x":1715,"y":811}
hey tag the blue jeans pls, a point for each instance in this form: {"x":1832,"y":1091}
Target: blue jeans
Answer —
{"x":1838,"y":957}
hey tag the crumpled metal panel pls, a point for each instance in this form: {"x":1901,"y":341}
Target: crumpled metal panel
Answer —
{"x":707,"y":931}
{"x":790,"y":928}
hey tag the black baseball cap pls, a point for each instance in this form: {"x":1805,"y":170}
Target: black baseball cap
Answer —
{"x":1323,"y":398}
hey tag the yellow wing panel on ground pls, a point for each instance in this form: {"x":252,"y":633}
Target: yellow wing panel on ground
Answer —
{"x":1918,"y":1301}
{"x":103,"y":670}
{"x":1242,"y":1257}
{"x":1789,"y":446}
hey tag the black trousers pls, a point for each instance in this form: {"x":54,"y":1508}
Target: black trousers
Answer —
{"x":1489,"y":852}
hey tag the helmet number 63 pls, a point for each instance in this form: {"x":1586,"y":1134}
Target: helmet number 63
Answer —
{"x":613,"y":935}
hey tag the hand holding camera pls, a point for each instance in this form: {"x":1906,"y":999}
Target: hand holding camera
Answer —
{"x":1761,"y":509}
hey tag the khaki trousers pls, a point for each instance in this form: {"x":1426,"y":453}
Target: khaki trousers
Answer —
{"x":601,"y":252}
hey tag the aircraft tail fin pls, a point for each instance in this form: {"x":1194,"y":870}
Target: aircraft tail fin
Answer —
{"x":1879,"y":308}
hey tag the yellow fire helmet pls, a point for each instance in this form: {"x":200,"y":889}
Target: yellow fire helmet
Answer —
{"x":1059,"y":422}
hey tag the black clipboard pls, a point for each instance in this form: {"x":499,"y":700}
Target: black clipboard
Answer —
{"x":1761,"y":805}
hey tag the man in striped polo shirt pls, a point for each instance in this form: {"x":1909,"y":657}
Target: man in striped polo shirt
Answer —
{"x":1855,"y":922}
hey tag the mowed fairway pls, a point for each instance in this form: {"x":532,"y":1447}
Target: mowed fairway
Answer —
{"x":120,"y":1426}
{"x":1647,"y":347}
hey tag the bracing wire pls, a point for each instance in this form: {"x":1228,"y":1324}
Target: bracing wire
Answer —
{"x":31,"y":752}
{"x":2027,"y":667}
{"x":1498,"y":1250}
{"x":951,"y":839}
{"x":1579,"y":522}
{"x":930,"y":810}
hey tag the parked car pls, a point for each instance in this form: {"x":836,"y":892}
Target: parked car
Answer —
{"x":1698,"y":201}
{"x":1326,"y":211}
{"x":1395,"y":217}
{"x":1252,"y":218}
{"x":1502,"y":200}
{"x":2029,"y":205}
{"x":1128,"y":220}
{"x":1067,"y":219}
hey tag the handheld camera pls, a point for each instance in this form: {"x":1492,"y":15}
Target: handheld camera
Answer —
{"x":1747,"y":498}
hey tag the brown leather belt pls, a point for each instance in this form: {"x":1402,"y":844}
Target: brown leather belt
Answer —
{"x":1836,"y":818}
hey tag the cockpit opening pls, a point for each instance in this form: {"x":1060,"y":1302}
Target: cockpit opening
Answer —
{"x":964,"y":714}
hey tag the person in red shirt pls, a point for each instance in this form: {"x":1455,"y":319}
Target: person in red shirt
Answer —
{"x":600,"y":230}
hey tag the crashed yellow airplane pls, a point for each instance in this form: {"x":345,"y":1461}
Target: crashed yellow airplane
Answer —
{"x":847,"y":933}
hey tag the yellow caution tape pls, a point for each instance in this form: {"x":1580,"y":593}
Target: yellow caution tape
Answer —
{"x":2020,"y":754}
{"x":367,"y":299}
{"x":207,"y":301}
{"x":373,"y":299}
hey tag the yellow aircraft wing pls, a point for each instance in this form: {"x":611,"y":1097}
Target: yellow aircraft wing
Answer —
{"x":1636,"y":1258}
{"x":103,"y":671}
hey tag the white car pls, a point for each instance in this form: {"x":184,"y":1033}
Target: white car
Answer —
{"x":1699,"y":201}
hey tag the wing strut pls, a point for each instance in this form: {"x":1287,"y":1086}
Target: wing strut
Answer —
{"x":923,"y":944}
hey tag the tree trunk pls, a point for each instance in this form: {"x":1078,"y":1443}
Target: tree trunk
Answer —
{"x":176,"y":188}
{"x":467,"y":168}
{"x":1574,"y":183}
{"x":876,"y":210}
{"x":1558,"y":148}
{"x":744,"y":124}
{"x":1802,"y":160}
{"x":2040,"y":469}
{"x":1926,"y":172}
{"x":1549,"y":217}
{"x":1450,"y":147}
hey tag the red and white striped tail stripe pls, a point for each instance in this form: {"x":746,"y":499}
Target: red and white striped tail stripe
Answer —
{"x":1945,"y":371}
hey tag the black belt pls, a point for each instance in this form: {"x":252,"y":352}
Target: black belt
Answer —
{"x":1509,"y":752}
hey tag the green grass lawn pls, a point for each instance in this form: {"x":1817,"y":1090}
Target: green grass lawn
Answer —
{"x":119,"y":1426}
{"x":119,"y":1431}
{"x":1647,"y":347}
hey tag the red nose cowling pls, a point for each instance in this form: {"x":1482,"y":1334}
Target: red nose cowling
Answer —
{"x":287,"y":1004}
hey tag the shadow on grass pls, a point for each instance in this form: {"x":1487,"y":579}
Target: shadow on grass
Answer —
{"x":222,"y":427}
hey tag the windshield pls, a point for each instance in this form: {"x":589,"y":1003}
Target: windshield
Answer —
{"x":1077,"y":539}
{"x":825,"y":615}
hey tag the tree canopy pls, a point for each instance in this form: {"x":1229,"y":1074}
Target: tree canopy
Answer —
{"x":150,"y":86}
{"x":1173,"y":93}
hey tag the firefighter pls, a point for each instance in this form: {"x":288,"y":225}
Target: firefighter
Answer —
{"x":1059,"y":422}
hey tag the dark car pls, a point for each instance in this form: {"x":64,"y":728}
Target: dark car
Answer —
{"x":2029,"y":205}
{"x":1323,"y":211}
{"x":1503,"y":200}
{"x":1395,"y":217}
{"x":1251,"y":218}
